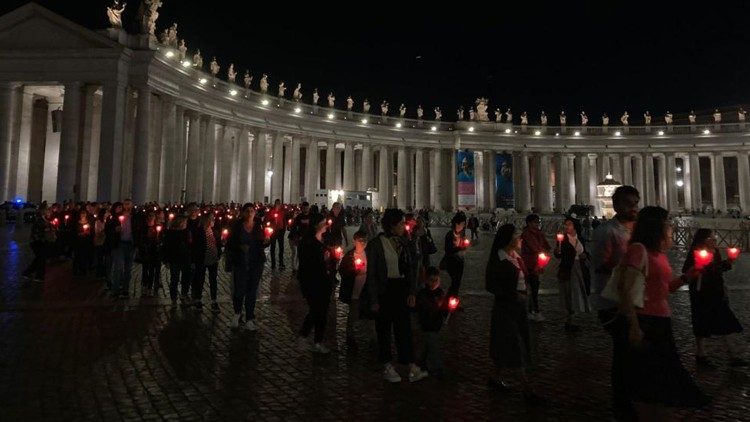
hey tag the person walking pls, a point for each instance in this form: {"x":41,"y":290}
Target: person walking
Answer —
{"x":572,"y":273}
{"x":353,"y":271}
{"x":455,"y":247}
{"x":177,"y":242}
{"x":207,"y":251}
{"x":277,"y":217}
{"x":43,"y":238}
{"x":534,"y":243}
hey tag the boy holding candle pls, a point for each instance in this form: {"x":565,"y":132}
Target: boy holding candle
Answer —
{"x":432,"y":309}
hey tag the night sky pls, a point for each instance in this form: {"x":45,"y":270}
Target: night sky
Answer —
{"x":598,"y":56}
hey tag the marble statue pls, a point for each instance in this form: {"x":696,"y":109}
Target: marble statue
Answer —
{"x":508,"y":117}
{"x":282,"y":89}
{"x":331,"y":100}
{"x":349,"y":103}
{"x":384,"y":108}
{"x":148,"y":14}
{"x":316,"y":96}
{"x":605,"y":119}
{"x":668,"y":118}
{"x":460,"y":113}
{"x":498,"y":115}
{"x":563,"y":118}
{"x":248,"y":79}
{"x":584,"y":119}
{"x":482,"y":104}
{"x":183,"y":50}
{"x":231,"y":74}
{"x":402,"y":110}
{"x":741,"y":115}
{"x":438,"y":113}
{"x":172,"y":40}
{"x":717,"y":116}
{"x":297,"y":94}
{"x":472,"y":115}
{"x":366,"y":106}
{"x":524,"y":118}
{"x":420,"y":112}
{"x":647,"y":118}
{"x":214,"y":66}
{"x":164,"y":37}
{"x":624,"y":118}
{"x":114,"y":13}
{"x":543,"y":118}
{"x":264,"y":84}
{"x":198,"y":60}
{"x":691,"y":117}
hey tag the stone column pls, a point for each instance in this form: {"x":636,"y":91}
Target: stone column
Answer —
{"x":561,"y":183}
{"x":141,"y":176}
{"x":436,"y":185}
{"x":523,"y":186}
{"x":178,"y":164}
{"x":718,"y":184}
{"x":571,"y":188}
{"x":277,"y":179}
{"x":110,"y":147}
{"x":295,"y":171}
{"x":384,"y":178}
{"x":582,"y":179}
{"x":312,"y":169}
{"x":226,"y":148}
{"x":543,"y":188}
{"x":338,"y":183}
{"x":627,"y":170}
{"x":638,"y":177}
{"x":71,"y":124}
{"x":453,"y":182}
{"x":743,"y":174}
{"x":673,"y":202}
{"x":6,"y":113}
{"x":194,"y":172}
{"x":662,"y":163}
{"x":402,"y":180}
{"x":209,"y":142}
{"x":695,"y":182}
{"x":367,"y":176}
{"x":349,"y":179}
{"x":490,"y":201}
{"x":616,"y":167}
{"x":593,"y":181}
{"x":687,"y":185}
{"x":419,"y":181}
{"x":168,"y":151}
{"x":259,"y":175}
{"x":20,"y":155}
{"x":330,"y":165}
{"x":648,"y":180}
{"x":244,"y":177}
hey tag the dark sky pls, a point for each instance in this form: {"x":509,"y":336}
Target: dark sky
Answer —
{"x":597,"y":56}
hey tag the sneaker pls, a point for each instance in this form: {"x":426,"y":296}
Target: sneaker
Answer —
{"x":250,"y":325}
{"x":416,"y":373}
{"x":302,"y":344}
{"x":215,"y":308}
{"x":235,"y":321}
{"x":390,"y":374}
{"x":320,"y":348}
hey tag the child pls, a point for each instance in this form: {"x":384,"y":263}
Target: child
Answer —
{"x":353,"y":271}
{"x":432,"y":310}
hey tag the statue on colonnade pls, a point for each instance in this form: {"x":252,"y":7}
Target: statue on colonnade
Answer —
{"x":438,"y":113}
{"x":647,"y":118}
{"x":498,"y":115}
{"x":584,"y":119}
{"x":331,"y":100}
{"x":482,"y":104}
{"x":349,"y":103}
{"x":282,"y":89}
{"x":717,"y":116}
{"x":198,"y":60}
{"x":524,"y":118}
{"x":741,"y":114}
{"x":543,"y":118}
{"x":624,"y":118}
{"x":366,"y":106}
{"x":231,"y":74}
{"x":605,"y":119}
{"x":384,"y":108}
{"x":316,"y":97}
{"x":691,"y":117}
{"x":183,"y":50}
{"x":248,"y":79}
{"x":214,"y":67}
{"x":472,"y":114}
{"x":148,"y":14}
{"x":420,"y":112}
{"x":297,"y":94}
{"x":668,"y":118}
{"x":460,"y":113}
{"x":114,"y":13}
{"x":508,"y":116}
{"x":172,"y":37}
{"x":402,"y":110}
{"x":264,"y":84}
{"x":563,"y":118}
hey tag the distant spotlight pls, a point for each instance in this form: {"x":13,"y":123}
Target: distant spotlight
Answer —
{"x":661,"y":133}
{"x":169,"y":54}
{"x":434,"y":128}
{"x":706,"y":132}
{"x":330,"y":116}
{"x":557,"y":134}
{"x":680,"y":183}
{"x":18,"y":200}
{"x":537,"y":132}
{"x":577,"y":133}
{"x":364,"y":121}
{"x":507,"y":130}
{"x":186,"y":63}
{"x":678,"y":169}
{"x":297,"y":110}
{"x":203,"y":81}
{"x":270,"y":173}
{"x":233,"y":92}
{"x":264,"y":102}
{"x":618,"y":133}
{"x":398,"y":125}
{"x":471,"y":128}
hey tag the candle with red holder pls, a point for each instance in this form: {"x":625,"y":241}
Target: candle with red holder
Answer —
{"x":359,"y":264}
{"x":453,"y":303}
{"x":702,"y":258}
{"x":338,"y":252}
{"x":733,"y":253}
{"x":560,"y":237}
{"x":542,"y":260}
{"x":224,"y":234}
{"x":121,"y":218}
{"x":269,"y":232}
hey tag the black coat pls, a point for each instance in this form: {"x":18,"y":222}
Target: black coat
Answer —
{"x":314,"y":274}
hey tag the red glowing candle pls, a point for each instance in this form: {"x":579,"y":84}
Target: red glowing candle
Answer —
{"x":122,"y":219}
{"x":408,"y":227}
{"x":85,"y":227}
{"x":229,"y":217}
{"x":224,"y":234}
{"x":453,"y":303}
{"x":733,"y":253}
{"x":290,"y":222}
{"x":268,"y":224}
{"x":67,"y":217}
{"x":269,"y":232}
{"x":329,"y":222}
{"x":467,"y":243}
{"x":55,"y":222}
{"x":560,"y":237}
{"x":542,"y":260}
{"x":275,"y":215}
{"x":158,"y":228}
{"x":171,"y":216}
{"x":359,"y":263}
{"x":702,"y":258}
{"x":338,"y":252}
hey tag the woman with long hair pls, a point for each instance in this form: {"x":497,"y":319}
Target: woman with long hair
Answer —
{"x":207,"y":254}
{"x":505,"y":278}
{"x":709,"y":305}
{"x":655,"y":373}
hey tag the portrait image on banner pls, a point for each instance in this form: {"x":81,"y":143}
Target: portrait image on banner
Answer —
{"x":504,"y":181}
{"x":465,"y":178}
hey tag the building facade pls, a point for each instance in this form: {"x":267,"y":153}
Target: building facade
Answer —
{"x":103,"y":115}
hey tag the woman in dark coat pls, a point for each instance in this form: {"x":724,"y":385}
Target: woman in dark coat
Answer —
{"x":509,"y":332}
{"x":455,"y":247}
{"x":709,"y":304}
{"x":572,"y":273}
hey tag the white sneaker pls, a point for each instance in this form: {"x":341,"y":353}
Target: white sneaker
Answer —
{"x":540,"y":317}
{"x":250,"y":325}
{"x":390,"y":374}
{"x":320,"y":348}
{"x":235,"y":321}
{"x":416,"y":373}
{"x":302,"y":344}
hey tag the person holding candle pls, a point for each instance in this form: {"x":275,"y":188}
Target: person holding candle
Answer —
{"x":368,"y":225}
{"x":336,"y":234}
{"x":246,"y":248}
{"x":43,"y":237}
{"x":571,"y":274}
{"x":149,"y":251}
{"x":353,"y":271}
{"x":100,"y":254}
{"x":455,"y":247}
{"x":83,"y":245}
{"x":505,"y":278}
{"x":277,"y":217}
{"x":534,"y":243}
{"x":432,"y":307}
{"x":654,"y":372}
{"x":709,"y":304}
{"x":206,"y":254}
{"x":120,"y":240}
{"x":298,"y":228}
{"x":316,"y":280}
{"x":177,"y":256}
{"x":391,"y":289}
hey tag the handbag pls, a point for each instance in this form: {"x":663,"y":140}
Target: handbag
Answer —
{"x":611,"y":291}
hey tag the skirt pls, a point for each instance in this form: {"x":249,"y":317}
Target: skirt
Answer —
{"x":572,"y":292}
{"x":509,"y":334}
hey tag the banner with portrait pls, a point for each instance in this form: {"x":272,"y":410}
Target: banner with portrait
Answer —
{"x":504,"y":181}
{"x":465,"y":177}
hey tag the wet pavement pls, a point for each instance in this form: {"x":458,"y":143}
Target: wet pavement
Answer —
{"x":69,"y":352}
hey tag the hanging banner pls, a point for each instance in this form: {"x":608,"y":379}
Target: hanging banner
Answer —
{"x":465,"y":177}
{"x":504,"y":181}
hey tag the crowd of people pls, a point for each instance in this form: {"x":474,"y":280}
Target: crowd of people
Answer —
{"x":387,"y":270}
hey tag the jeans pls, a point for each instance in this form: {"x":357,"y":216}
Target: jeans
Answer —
{"x":317,"y":315}
{"x":122,"y":267}
{"x":178,"y":275}
{"x":200,"y":276}
{"x":433,"y":353}
{"x":295,"y":258}
{"x":246,"y":280}
{"x":38,"y":266}
{"x":394,"y":316}
{"x":617,"y":327}
{"x":151,"y":275}
{"x":455,"y":268}
{"x":277,"y":238}
{"x":533,"y":280}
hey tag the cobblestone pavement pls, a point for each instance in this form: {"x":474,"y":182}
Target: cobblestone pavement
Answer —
{"x":70,"y":353}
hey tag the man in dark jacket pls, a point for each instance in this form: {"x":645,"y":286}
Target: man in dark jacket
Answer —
{"x":534,"y":243}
